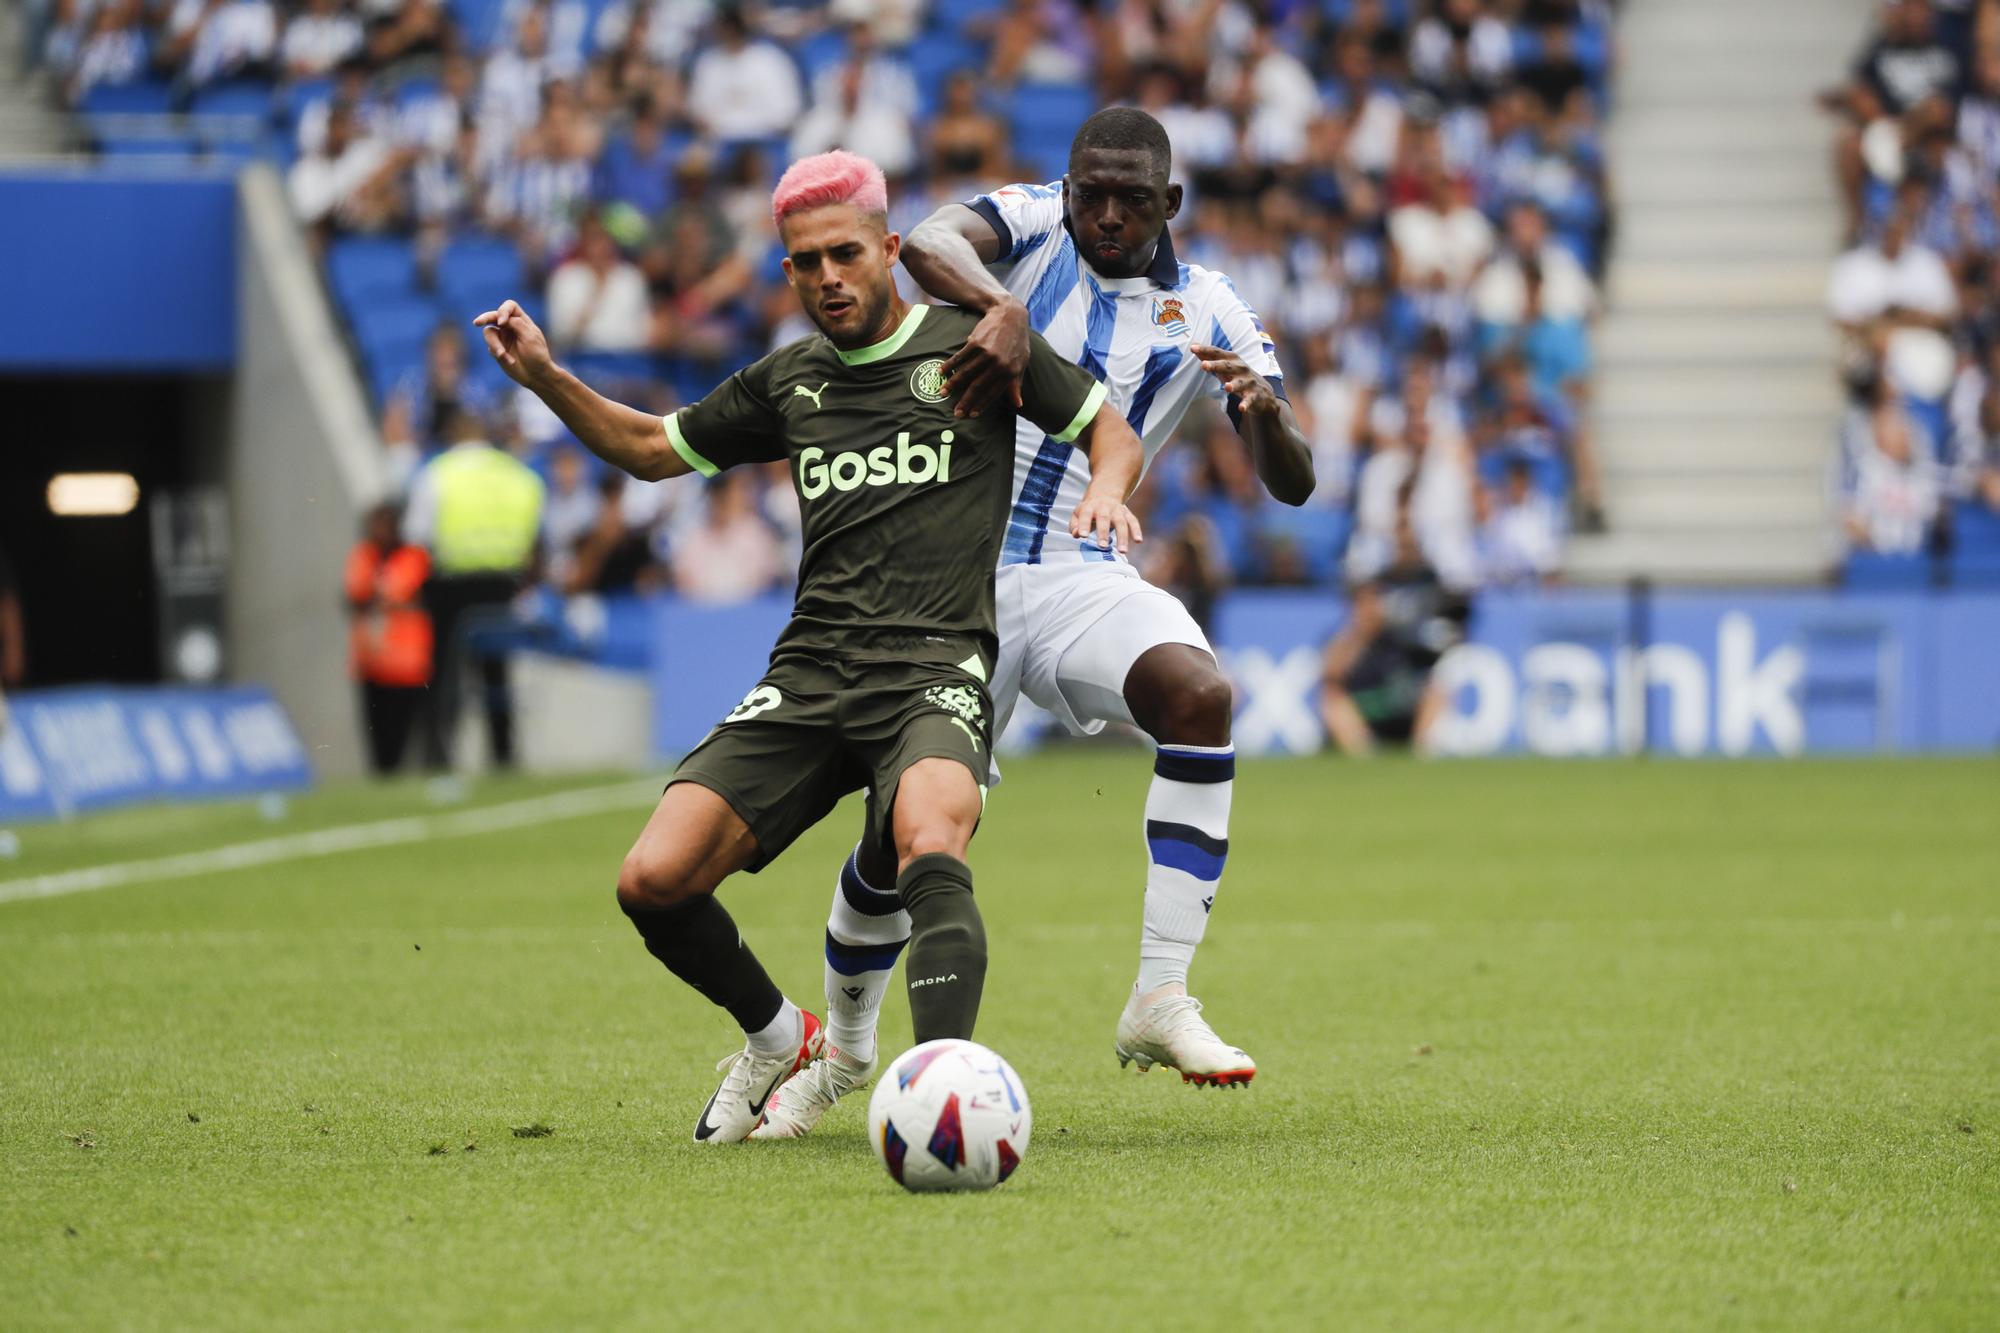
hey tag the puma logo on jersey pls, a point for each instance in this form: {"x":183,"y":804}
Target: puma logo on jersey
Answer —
{"x":900,"y":464}
{"x":801,"y":391}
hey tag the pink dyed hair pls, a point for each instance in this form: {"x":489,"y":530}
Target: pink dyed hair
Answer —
{"x":838,"y":177}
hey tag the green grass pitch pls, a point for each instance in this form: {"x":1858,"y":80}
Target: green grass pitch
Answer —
{"x":1638,"y":1045}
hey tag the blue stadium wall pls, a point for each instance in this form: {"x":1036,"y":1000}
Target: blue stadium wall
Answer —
{"x":113,"y":272}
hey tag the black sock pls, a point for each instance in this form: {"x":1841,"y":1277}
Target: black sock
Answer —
{"x":946,"y":965}
{"x":699,"y":944}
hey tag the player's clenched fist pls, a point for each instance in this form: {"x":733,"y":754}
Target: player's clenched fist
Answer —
{"x":516,"y":343}
{"x":1101,"y":518}
{"x":1253,"y":393}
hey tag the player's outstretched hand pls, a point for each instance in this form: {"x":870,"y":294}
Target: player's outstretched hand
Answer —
{"x":988,"y":369}
{"x":516,"y":343}
{"x":1101,"y":518}
{"x":1253,"y":393}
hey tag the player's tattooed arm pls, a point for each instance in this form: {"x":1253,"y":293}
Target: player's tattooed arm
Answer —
{"x":1116,"y":460}
{"x":622,"y":436}
{"x":947,"y":253}
{"x":1265,"y":421}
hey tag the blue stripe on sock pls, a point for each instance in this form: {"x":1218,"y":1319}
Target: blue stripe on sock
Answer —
{"x":863,"y":897}
{"x":851,"y":960}
{"x":1185,"y":847}
{"x":1190,"y":766}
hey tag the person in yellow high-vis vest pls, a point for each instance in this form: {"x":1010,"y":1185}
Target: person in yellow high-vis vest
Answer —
{"x":479,"y":511}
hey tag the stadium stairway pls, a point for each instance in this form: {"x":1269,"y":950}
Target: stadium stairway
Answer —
{"x":29,"y":127}
{"x":1717,"y":397}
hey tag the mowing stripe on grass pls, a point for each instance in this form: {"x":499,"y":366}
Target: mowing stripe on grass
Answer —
{"x":330,"y":842}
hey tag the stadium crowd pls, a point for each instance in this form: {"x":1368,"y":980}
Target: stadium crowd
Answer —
{"x":1917,"y":296}
{"x":1411,"y":192}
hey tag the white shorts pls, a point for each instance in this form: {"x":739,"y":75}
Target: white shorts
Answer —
{"x":1069,"y":634}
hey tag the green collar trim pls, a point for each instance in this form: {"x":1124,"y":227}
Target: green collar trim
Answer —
{"x":889,"y":346}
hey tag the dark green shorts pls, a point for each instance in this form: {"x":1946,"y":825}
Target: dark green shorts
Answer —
{"x":812,"y":731}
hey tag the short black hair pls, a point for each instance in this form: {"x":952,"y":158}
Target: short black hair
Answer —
{"x":1124,"y":128}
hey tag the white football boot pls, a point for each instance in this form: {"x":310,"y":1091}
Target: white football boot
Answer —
{"x":1172,"y":1032}
{"x":797,"y":1105}
{"x":748,"y":1080}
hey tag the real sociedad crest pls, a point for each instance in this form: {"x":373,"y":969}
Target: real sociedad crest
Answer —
{"x":1170,"y":315}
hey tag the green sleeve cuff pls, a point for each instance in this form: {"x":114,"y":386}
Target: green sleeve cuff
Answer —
{"x":687,"y":451}
{"x":1091,"y":402}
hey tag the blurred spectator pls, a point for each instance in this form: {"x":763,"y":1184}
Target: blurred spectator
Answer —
{"x":1333,"y":411}
{"x":1904,"y":65}
{"x":964,"y":140}
{"x":1893,"y":492}
{"x":598,"y":300}
{"x":1440,"y":238}
{"x":729,"y":555}
{"x":1042,"y":41}
{"x":389,"y":639}
{"x":318,"y":38}
{"x":1892,"y":281}
{"x":1375,"y":682}
{"x":352,"y":182}
{"x":637,"y":167}
{"x":1190,"y":565}
{"x":743,"y":87}
{"x":421,"y":407}
{"x":13,"y":633}
{"x":1382,"y":179}
{"x":865,"y":105}
{"x":113,"y":50}
{"x":574,"y":506}
{"x":1975,"y":431}
{"x":209,"y":40}
{"x":1520,"y":530}
{"x":478,"y":511}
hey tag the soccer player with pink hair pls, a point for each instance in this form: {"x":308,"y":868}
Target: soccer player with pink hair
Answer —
{"x":879,"y":679}
{"x":1088,"y":263}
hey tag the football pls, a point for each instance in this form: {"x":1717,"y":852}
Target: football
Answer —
{"x":949,"y":1115}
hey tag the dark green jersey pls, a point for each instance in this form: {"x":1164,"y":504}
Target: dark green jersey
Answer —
{"x":904,"y":505}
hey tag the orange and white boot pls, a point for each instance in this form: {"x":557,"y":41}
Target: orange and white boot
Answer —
{"x":748,"y":1080}
{"x":1172,"y":1032}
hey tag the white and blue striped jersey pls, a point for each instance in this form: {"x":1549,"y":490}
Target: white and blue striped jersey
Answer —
{"x":1131,"y":333}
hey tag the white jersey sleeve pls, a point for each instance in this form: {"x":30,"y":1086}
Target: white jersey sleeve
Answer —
{"x":1022,"y":216}
{"x":1233,"y":324}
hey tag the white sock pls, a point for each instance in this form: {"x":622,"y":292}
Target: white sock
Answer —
{"x":782,"y":1035}
{"x":866,"y":930}
{"x":1187,"y":841}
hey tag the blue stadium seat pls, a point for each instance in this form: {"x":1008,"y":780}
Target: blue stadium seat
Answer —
{"x":958,"y":15}
{"x":155,"y":150}
{"x":361,"y":269}
{"x":245,"y":98}
{"x":1320,"y":535}
{"x":1866,"y":571}
{"x":933,"y":57}
{"x":1975,"y":527}
{"x":820,"y":51}
{"x":478,"y":272}
{"x":1975,"y":556}
{"x":393,"y":324}
{"x":1044,"y":118}
{"x":479,"y":21}
{"x":149,"y":98}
